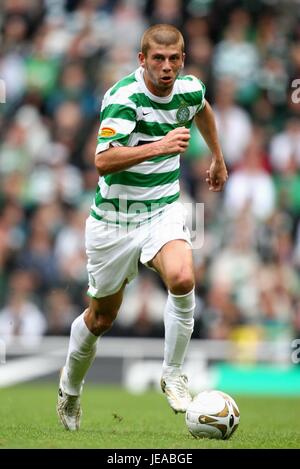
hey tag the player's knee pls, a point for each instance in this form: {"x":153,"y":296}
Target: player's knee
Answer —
{"x":181,"y":283}
{"x":102,"y":324}
{"x":100,"y":321}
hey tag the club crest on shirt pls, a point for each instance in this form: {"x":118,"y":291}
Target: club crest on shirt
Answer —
{"x":183,"y":113}
{"x":107,"y":132}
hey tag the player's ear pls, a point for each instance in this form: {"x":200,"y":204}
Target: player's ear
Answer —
{"x":141,"y":57}
{"x":183,"y":59}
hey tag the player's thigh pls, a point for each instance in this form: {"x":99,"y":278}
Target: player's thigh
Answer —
{"x":174,"y":263}
{"x":112,"y":258}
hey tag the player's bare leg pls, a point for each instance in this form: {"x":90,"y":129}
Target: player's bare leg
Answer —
{"x":85,"y":331}
{"x":175,"y":265}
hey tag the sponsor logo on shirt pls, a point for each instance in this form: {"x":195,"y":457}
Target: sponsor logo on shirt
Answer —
{"x":107,"y":132}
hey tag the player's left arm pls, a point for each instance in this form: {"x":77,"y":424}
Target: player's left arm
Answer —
{"x":217,"y":173}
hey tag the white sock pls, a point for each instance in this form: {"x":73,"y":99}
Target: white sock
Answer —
{"x":179,"y":325}
{"x":81,"y":354}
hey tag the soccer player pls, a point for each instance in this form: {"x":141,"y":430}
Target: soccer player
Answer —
{"x":145,"y":120}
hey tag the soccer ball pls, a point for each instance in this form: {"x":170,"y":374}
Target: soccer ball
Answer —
{"x":212,"y":414}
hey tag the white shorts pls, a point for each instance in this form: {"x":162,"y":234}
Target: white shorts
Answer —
{"x":113,"y":252}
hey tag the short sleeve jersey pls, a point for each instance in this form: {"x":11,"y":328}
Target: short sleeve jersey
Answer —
{"x":131,"y":115}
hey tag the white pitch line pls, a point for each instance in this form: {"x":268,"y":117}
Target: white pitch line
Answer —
{"x":26,"y":369}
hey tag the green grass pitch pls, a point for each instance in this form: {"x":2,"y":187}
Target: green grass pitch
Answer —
{"x":113,"y":418}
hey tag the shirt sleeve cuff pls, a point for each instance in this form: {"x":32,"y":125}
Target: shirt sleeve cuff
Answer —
{"x":105,"y":146}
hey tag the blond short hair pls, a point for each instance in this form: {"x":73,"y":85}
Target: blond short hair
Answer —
{"x":162,"y":34}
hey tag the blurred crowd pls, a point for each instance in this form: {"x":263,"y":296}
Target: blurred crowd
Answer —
{"x":57,"y":59}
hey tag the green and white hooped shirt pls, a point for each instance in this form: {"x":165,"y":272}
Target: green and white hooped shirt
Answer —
{"x":131,"y":115}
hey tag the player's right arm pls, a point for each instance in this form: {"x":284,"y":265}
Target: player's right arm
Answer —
{"x":119,"y":158}
{"x":119,"y":116}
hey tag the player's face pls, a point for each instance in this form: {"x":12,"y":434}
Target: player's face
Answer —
{"x":162,"y":65}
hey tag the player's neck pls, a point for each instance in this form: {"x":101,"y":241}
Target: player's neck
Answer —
{"x":161,"y":93}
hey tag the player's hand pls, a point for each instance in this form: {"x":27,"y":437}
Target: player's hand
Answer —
{"x":216,"y":175}
{"x":176,"y":141}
